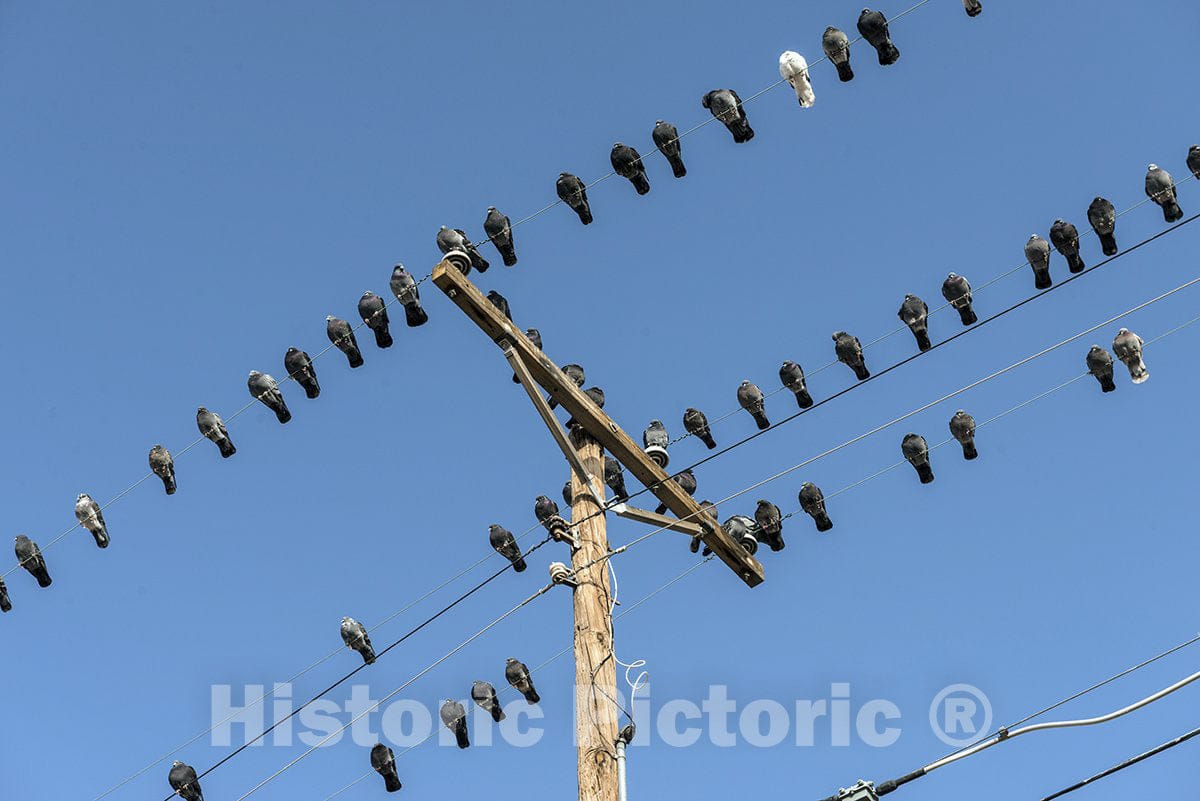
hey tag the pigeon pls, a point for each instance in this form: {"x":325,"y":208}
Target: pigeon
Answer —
{"x":506,"y":545}
{"x":534,"y":336}
{"x":916,"y":451}
{"x":793,"y":68}
{"x":666,"y":139}
{"x":696,"y":424}
{"x":1161,"y":189}
{"x":655,"y":435}
{"x":373,"y":312}
{"x":454,"y":716}
{"x":29,"y":556}
{"x":836,"y":45}
{"x":726,"y":106}
{"x":577,"y":376}
{"x":1103,"y":217}
{"x":342,"y":336}
{"x":1100,"y":364}
{"x":596,"y":395}
{"x":1037,"y":253}
{"x":915,"y":314}
{"x":627,"y":163}
{"x":568,"y":499}
{"x":614,"y":477}
{"x":484,"y":694}
{"x":792,"y":377}
{"x":5,"y":602}
{"x":1065,"y":238}
{"x":973,"y":7}
{"x":449,"y":239}
{"x":1127,"y":346}
{"x":163,"y":466}
{"x":384,"y":763}
{"x":750,"y":398}
{"x":573,"y":192}
{"x":518,"y":676}
{"x":263,"y":388}
{"x":183,"y":781}
{"x":212,"y":427}
{"x":354,"y":634}
{"x":962,"y":428}
{"x":499,"y":231}
{"x":501,"y":303}
{"x":770,"y":525}
{"x":711,"y":509}
{"x":299,"y":367}
{"x":87,"y":512}
{"x":957,"y":292}
{"x":812,"y":501}
{"x":849,"y":352}
{"x":544,"y":509}
{"x":686,"y":481}
{"x":874,"y":28}
{"x":404,"y":287}
{"x":1193,"y":160}
{"x":741,"y":529}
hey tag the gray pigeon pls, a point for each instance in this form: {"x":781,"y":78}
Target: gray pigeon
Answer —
{"x":342,"y":336}
{"x":384,"y":763}
{"x":874,"y":28}
{"x":812,"y":501}
{"x":5,"y":601}
{"x":450,"y":239}
{"x":686,"y":481}
{"x":299,"y":368}
{"x":666,"y":139}
{"x":183,"y":781}
{"x":1065,"y":238}
{"x":915,"y":314}
{"x":212,"y":427}
{"x":518,"y":676}
{"x":726,"y":106}
{"x":655,"y":434}
{"x":501,"y":303}
{"x":957,"y":292}
{"x":354,"y":634}
{"x":596,"y":396}
{"x":741,"y":529}
{"x":544,"y":509}
{"x":1103,"y":217}
{"x":750,"y":398}
{"x":163,"y":466}
{"x":87,"y":512}
{"x":849,"y":352}
{"x":770,"y":525}
{"x":974,"y":7}
{"x":1037,"y":253}
{"x":506,"y":545}
{"x":454,"y":716}
{"x":916,"y":451}
{"x":535,"y":338}
{"x":1161,"y":189}
{"x":484,"y":694}
{"x":404,"y":287}
{"x":264,"y":389}
{"x":373,"y":312}
{"x":29,"y":556}
{"x":1127,"y":346}
{"x":567,"y":497}
{"x":962,"y":428}
{"x":696,"y":424}
{"x":627,"y":163}
{"x":573,"y":192}
{"x":1193,"y":160}
{"x":1100,"y":364}
{"x":710,"y":509}
{"x":499,"y":231}
{"x":792,"y":377}
{"x":577,"y":376}
{"x":836,"y":45}
{"x":614,"y":477}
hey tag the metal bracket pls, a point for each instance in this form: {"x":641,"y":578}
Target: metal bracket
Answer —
{"x":661,"y":521}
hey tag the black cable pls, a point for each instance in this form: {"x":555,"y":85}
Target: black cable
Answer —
{"x":1127,"y":763}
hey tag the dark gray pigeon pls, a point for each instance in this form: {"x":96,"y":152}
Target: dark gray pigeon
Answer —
{"x":836,"y":45}
{"x":499,"y":231}
{"x":484,"y":694}
{"x":1037,"y":253}
{"x":373,"y":312}
{"x":544,"y":509}
{"x":962,"y":428}
{"x":518,"y":676}
{"x":87,"y":512}
{"x":29,"y":556}
{"x":957,"y":292}
{"x":342,"y":336}
{"x":450,"y":239}
{"x":915,"y":314}
{"x":696,"y":424}
{"x":1103,"y":217}
{"x":163,"y":466}
{"x":535,"y":338}
{"x":873,"y":26}
{"x":5,"y":602}
{"x":686,"y":481}
{"x":213,"y":428}
{"x":183,"y":781}
{"x":627,"y":163}
{"x":384,"y":763}
{"x":577,"y":376}
{"x":596,"y":395}
{"x":726,"y":106}
{"x":614,"y":477}
{"x":354,"y":634}
{"x":506,"y":545}
{"x":666,"y":139}
{"x":1065,"y":238}
{"x":299,"y":367}
{"x":1160,"y":188}
{"x":1193,"y":160}
{"x":916,"y":451}
{"x":655,"y":434}
{"x":1100,"y":364}
{"x":750,"y":398}
{"x":741,"y":529}
{"x":567,"y":498}
{"x":711,"y":509}
{"x":454,"y":716}
{"x":573,"y":192}
{"x":792,"y":377}
{"x":501,"y":303}
{"x":770,"y":525}
{"x":1127,"y":346}
{"x":974,"y":7}
{"x":404,"y":287}
{"x":849,"y":352}
{"x":264,"y":389}
{"x":812,"y":501}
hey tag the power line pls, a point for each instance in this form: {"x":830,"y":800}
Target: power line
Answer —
{"x":1126,"y":764}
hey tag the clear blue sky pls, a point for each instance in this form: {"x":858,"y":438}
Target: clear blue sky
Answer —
{"x":190,"y":188}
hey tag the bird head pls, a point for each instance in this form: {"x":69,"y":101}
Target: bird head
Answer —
{"x":1123,"y":332}
{"x":838,"y":335}
{"x":1034,"y":238}
{"x":329,"y":318}
{"x":491,"y":209}
{"x":255,"y":374}
{"x":399,"y":267}
{"x":510,"y":661}
{"x":201,"y":410}
{"x":176,"y":763}
{"x":442,"y":228}
{"x":1193,"y":148}
{"x":1152,"y":167}
{"x":951,"y":276}
{"x":81,"y":496}
{"x":368,"y":294}
{"x":1060,"y":221}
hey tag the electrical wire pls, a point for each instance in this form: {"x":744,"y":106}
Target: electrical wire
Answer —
{"x":1183,"y":738}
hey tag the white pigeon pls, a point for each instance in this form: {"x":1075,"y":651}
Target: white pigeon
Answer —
{"x":794,"y":69}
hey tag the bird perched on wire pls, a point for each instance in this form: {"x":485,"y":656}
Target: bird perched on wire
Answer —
{"x":212,"y":427}
{"x":484,"y":694}
{"x":655,"y":435}
{"x":1102,"y":216}
{"x":957,"y":292}
{"x":299,"y":367}
{"x":873,"y":26}
{"x":342,"y":336}
{"x":264,"y":389}
{"x":836,"y":46}
{"x":974,"y":7}
{"x":499,"y":231}
{"x":1037,"y":253}
{"x":29,"y":556}
{"x":666,"y":139}
{"x":1127,"y":346}
{"x":1193,"y":160}
{"x":454,"y":717}
{"x":627,"y":163}
{"x":506,"y":545}
{"x":183,"y":781}
{"x":750,"y":398}
{"x":573,"y":192}
{"x":850,"y":353}
{"x":696,"y":424}
{"x":915,"y":314}
{"x":812,"y":501}
{"x":614,"y":477}
{"x":686,"y":481}
{"x":1160,"y":188}
{"x":1065,"y":238}
{"x":500,"y":302}
{"x":577,"y":376}
{"x":354,"y":634}
{"x":384,"y":763}
{"x":962,"y":428}
{"x":518,"y":676}
{"x":163,"y":466}
{"x":373,"y":312}
{"x":404,"y":287}
{"x":792,"y":377}
{"x":87,"y":512}
{"x":1100,"y":364}
{"x":793,"y":68}
{"x":916,"y":451}
{"x":5,"y":601}
{"x":544,"y":509}
{"x":726,"y":106}
{"x":770,"y":525}
{"x":451,"y":239}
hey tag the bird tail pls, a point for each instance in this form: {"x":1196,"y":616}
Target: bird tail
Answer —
{"x":414,"y":315}
{"x":509,"y":254}
{"x":1076,"y":263}
{"x":677,"y":166}
{"x":662,"y":508}
{"x":845,"y":74}
{"x":169,"y":484}
{"x":1172,"y":212}
{"x":281,"y":412}
{"x":707,"y":439}
{"x":694,"y":545}
{"x":969,"y":450}
{"x":391,"y":782}
{"x":1041,"y":279}
{"x":497,"y":711}
{"x":368,"y":654}
{"x":1108,"y":242}
{"x":383,"y":338}
{"x":532,"y":696}
{"x":354,"y":355}
{"x":975,"y":9}
{"x":43,"y":577}
{"x":823,"y":522}
{"x":888,"y":54}
{"x":741,"y":130}
{"x":760,"y":418}
{"x":967,"y":315}
{"x":641,"y":183}
{"x":622,"y":493}
{"x":925,"y":471}
{"x":460,"y":734}
{"x":519,"y":564}
{"x":1106,"y":383}
{"x":1138,"y":372}
{"x":225,"y":446}
{"x":861,"y":371}
{"x":923,"y":339}
{"x":585,"y":213}
{"x":803,"y":399}
{"x":101,"y":536}
{"x":5,"y":603}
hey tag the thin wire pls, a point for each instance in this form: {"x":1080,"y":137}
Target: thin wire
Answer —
{"x":1126,"y":764}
